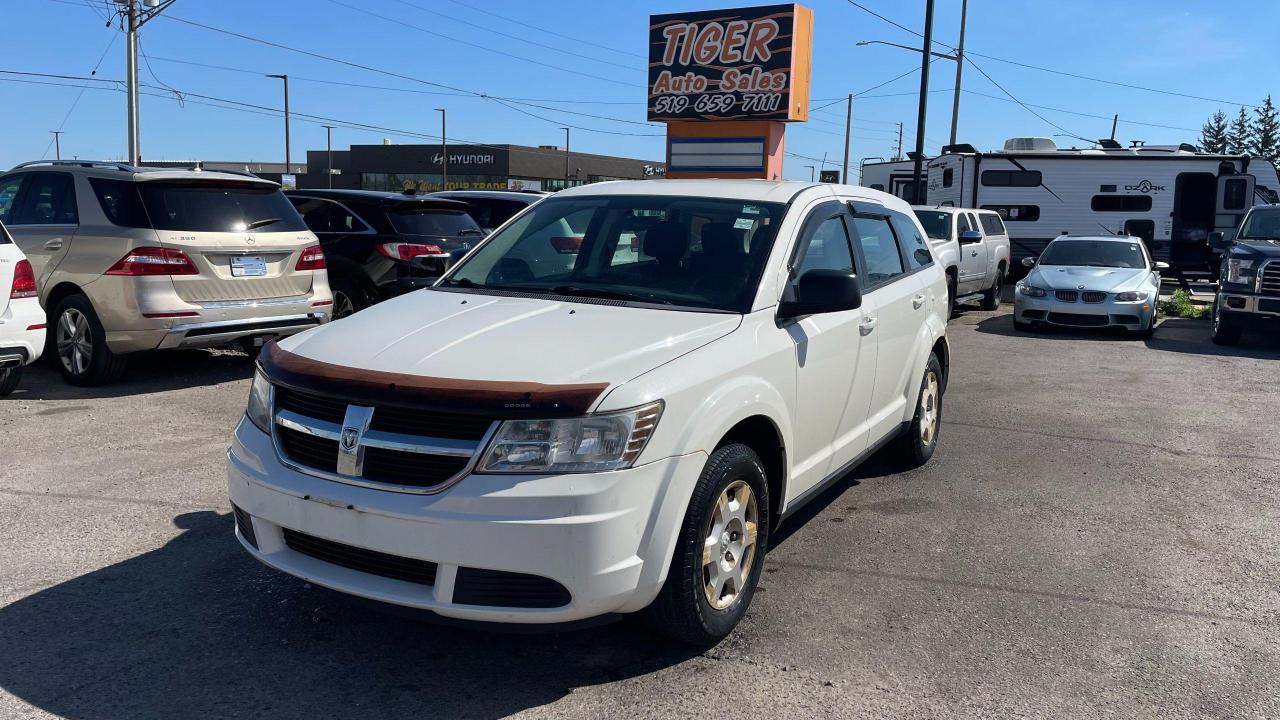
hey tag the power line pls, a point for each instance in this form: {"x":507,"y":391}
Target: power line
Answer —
{"x":74,"y":103}
{"x":527,"y":24}
{"x":1024,"y":105}
{"x":1083,"y":114}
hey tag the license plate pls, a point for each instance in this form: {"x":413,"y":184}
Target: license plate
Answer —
{"x":248,"y":266}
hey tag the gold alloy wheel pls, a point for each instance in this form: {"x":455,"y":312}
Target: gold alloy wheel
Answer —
{"x":729,"y":550}
{"x":929,"y":409}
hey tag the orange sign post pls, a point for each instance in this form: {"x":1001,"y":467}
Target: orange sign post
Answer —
{"x":726,"y":82}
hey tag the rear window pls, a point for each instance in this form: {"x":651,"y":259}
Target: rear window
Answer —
{"x":443,"y":223}
{"x":219,"y":207}
{"x":991,"y":224}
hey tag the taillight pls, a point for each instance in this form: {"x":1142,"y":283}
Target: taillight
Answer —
{"x":24,"y":281}
{"x":312,"y":259}
{"x":407,"y":251}
{"x":154,"y":261}
{"x":567,"y":245}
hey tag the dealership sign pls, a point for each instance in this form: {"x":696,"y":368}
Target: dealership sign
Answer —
{"x":743,"y":64}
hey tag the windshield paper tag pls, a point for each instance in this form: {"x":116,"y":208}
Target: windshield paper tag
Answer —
{"x":743,"y":224}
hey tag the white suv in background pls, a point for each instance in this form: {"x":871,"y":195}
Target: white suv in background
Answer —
{"x":21,"y":319}
{"x":606,"y":407}
{"x":973,"y":248}
{"x":133,"y":258}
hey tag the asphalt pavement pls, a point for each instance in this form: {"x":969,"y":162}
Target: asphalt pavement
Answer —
{"x":1096,"y":536}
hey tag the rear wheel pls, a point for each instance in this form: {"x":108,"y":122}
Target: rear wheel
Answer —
{"x":348,"y":298}
{"x":916,"y":445}
{"x":991,"y":296}
{"x":720,"y":551}
{"x":1226,"y":330}
{"x":80,"y":344}
{"x":9,"y":380}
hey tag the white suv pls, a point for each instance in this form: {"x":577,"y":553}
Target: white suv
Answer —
{"x":606,"y":407}
{"x":22,"y":325}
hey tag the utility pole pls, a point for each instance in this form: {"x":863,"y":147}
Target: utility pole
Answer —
{"x":848,"y":126}
{"x":444,"y":152}
{"x":1114,"y":120}
{"x":566,"y":157}
{"x":955,"y":102}
{"x":285,"y":78}
{"x":135,"y":18}
{"x":898,"y":156}
{"x":925,"y":58}
{"x":328,"y":147}
{"x":57,"y":144}
{"x":810,"y":172}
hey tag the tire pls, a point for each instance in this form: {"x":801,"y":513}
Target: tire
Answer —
{"x":1150,"y":330}
{"x":1226,"y":331}
{"x":1020,"y":326}
{"x":991,"y":296}
{"x":951,"y":296}
{"x":80,"y":345}
{"x":348,"y":298}
{"x":9,"y":380}
{"x":916,"y":445}
{"x":684,"y":610}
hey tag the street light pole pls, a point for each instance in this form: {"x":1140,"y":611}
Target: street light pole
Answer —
{"x":848,"y":127}
{"x":810,"y":172}
{"x":955,"y":101}
{"x":328,"y":148}
{"x":566,"y":157}
{"x":57,"y":144}
{"x":285,"y":78}
{"x":444,"y":152}
{"x":921,"y":117}
{"x":135,"y":18}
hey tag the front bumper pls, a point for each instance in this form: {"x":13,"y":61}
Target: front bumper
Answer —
{"x":1109,"y":313}
{"x":1249,"y":305}
{"x":22,"y":333}
{"x":606,"y":538}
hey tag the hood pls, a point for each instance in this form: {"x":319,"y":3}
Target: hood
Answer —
{"x":1070,"y":277}
{"x":1262,"y":248}
{"x":470,"y":336}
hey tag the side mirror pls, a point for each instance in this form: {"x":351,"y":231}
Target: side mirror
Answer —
{"x":823,"y":291}
{"x":1161,"y":265}
{"x":1029,"y":262}
{"x":1218,"y":240}
{"x":970,"y":237}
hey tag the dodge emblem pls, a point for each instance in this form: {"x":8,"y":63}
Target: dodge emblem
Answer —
{"x":350,"y":439}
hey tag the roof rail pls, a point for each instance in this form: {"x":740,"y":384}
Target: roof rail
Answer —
{"x":126,"y":167}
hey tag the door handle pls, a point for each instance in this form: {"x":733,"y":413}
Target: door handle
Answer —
{"x":866,"y":326}
{"x":917,"y":301}
{"x":973,"y":254}
{"x":54,"y":244}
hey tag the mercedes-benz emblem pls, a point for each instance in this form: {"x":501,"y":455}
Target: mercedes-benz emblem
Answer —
{"x":250,"y":240}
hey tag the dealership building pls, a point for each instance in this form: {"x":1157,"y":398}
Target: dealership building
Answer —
{"x":422,"y":167}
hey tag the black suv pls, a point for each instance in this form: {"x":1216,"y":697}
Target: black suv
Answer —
{"x":1249,"y":284}
{"x":491,"y":208}
{"x":380,"y":244}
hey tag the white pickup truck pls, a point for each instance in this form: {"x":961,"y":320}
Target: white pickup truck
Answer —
{"x":973,"y":248}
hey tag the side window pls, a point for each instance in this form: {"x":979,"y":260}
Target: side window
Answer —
{"x":827,"y":249}
{"x":948,"y":177}
{"x":991,"y":224}
{"x":879,"y":250}
{"x":120,"y":202}
{"x":49,"y":199}
{"x":8,"y":194}
{"x":481,"y":211}
{"x":962,"y":223}
{"x":323,"y":216}
{"x":914,"y":246}
{"x":1234,"y":196}
{"x":973,"y":222}
{"x":1011,"y":178}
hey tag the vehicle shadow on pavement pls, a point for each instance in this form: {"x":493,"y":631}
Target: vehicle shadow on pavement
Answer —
{"x":1182,"y":335}
{"x":1003,"y":325}
{"x":881,"y":464}
{"x":197,"y":628}
{"x":147,"y":373}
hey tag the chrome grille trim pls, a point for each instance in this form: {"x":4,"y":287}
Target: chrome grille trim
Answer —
{"x":1269,"y":278}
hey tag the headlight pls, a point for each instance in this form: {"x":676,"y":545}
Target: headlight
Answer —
{"x":585,"y":444}
{"x":1131,"y":296}
{"x":1239,"y":271}
{"x":259,"y":410}
{"x":1030,"y":290}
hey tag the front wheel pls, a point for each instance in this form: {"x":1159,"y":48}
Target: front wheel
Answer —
{"x":1226,"y":331}
{"x":9,"y":380}
{"x":917,"y":443}
{"x":720,"y":551}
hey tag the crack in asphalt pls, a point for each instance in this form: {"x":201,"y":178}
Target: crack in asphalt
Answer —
{"x":1112,"y":441}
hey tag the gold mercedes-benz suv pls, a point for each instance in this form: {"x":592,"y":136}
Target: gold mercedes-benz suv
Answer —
{"x":129,"y":259}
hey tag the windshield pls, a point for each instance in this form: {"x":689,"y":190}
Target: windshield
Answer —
{"x":692,"y":252}
{"x":937,"y":225}
{"x":1261,"y":225}
{"x":443,"y":223}
{"x":1094,"y":253}
{"x":207,"y":207}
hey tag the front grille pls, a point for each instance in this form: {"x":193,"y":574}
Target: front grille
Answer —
{"x":1093,"y":296}
{"x":1265,"y":305}
{"x":395,"y":567}
{"x":1270,"y":281}
{"x":384,"y":456}
{"x":495,"y":588}
{"x":317,"y":452}
{"x":1066,"y":295}
{"x":412,"y":469}
{"x":245,"y":524}
{"x":1078,"y":319}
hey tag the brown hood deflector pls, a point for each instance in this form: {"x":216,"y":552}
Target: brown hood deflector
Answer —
{"x":492,"y":398}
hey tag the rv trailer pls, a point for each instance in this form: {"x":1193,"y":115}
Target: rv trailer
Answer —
{"x":891,"y":176}
{"x":1170,"y":196}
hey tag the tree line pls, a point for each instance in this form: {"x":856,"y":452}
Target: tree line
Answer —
{"x":1258,"y":136}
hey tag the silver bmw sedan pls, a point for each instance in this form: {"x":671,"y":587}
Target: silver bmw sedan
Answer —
{"x":1090,"y":282}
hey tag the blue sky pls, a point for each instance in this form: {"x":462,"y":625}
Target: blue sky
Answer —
{"x":1187,"y":46}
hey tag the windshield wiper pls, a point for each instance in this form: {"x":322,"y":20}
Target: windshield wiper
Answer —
{"x":463,"y":283}
{"x":576,"y":291}
{"x":261,"y":223}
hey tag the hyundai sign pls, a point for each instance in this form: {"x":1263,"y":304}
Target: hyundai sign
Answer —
{"x":744,"y":64}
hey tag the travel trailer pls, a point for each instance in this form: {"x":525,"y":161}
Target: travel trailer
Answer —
{"x":1170,"y":196}
{"x":891,"y":176}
